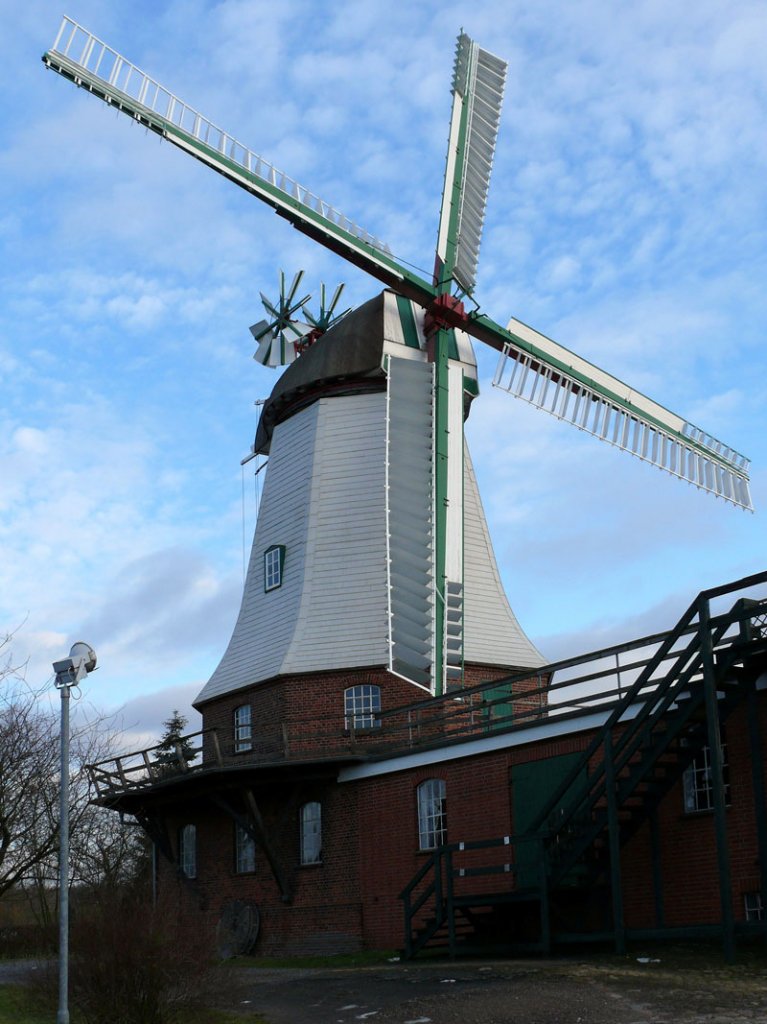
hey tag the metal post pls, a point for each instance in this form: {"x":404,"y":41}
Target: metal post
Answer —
{"x":757,"y":778}
{"x":613,"y":827}
{"x":657,"y":869}
{"x":63,"y":1015}
{"x":69,"y":672}
{"x":448,"y":877}
{"x":543,"y":881}
{"x":717,"y":779}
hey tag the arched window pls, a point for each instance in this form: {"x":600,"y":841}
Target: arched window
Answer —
{"x":311,"y":833}
{"x":187,"y":851}
{"x":432,"y":814}
{"x":361,"y":704}
{"x":242,"y":728}
{"x":244,"y":851}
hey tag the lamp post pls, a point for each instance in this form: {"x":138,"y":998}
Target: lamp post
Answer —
{"x":69,"y":672}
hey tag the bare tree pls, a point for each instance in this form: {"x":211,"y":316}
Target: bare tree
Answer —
{"x":103,"y":849}
{"x":28,"y":777}
{"x":109,"y":851}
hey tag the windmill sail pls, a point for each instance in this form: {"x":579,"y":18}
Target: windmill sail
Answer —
{"x":548,"y":376}
{"x":82,"y":58}
{"x":478,"y":84}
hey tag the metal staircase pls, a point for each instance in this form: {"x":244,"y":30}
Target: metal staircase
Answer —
{"x":683,"y":693}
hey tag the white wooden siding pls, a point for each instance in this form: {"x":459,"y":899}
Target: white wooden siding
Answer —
{"x":492,"y":635}
{"x":323,"y":499}
{"x":342,"y":617}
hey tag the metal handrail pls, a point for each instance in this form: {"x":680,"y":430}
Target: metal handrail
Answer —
{"x":526,"y":698}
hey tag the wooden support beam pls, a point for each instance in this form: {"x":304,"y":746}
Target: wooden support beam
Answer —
{"x":155,"y":828}
{"x":254,"y":825}
{"x":286,"y":889}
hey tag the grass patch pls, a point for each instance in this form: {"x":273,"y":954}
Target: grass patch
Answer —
{"x":16,"y":1007}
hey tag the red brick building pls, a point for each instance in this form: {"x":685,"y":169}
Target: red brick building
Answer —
{"x":323,"y":817}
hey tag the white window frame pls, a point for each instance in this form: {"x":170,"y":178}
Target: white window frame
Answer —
{"x":310,"y":819}
{"x":274,"y":562}
{"x":243,"y":728}
{"x":244,"y":851}
{"x":431,"y":798}
{"x":362,"y":705}
{"x":187,"y":851}
{"x":753,"y":906}
{"x":697,"y":784}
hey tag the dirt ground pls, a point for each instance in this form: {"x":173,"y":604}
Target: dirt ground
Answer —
{"x":656,"y":989}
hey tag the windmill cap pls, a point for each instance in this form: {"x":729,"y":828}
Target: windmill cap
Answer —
{"x":348,"y":359}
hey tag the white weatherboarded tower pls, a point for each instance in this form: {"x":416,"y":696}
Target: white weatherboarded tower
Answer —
{"x":342,"y":566}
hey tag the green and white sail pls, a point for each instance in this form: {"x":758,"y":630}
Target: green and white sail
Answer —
{"x":478,"y":83}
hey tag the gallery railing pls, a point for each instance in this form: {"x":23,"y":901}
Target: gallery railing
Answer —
{"x":589,"y":687}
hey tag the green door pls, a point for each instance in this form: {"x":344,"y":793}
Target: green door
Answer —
{"x":532,"y":786}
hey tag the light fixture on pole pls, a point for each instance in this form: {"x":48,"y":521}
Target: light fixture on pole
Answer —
{"x":69,"y":672}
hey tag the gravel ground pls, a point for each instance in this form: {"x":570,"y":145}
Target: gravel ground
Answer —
{"x":607,"y":990}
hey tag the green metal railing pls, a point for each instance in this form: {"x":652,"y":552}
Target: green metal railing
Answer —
{"x":440,"y":889}
{"x":653,"y":729}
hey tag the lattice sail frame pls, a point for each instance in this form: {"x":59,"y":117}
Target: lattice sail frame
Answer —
{"x":574,"y":390}
{"x":479,"y":79}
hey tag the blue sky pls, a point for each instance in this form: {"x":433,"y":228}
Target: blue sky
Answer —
{"x":627,"y":219}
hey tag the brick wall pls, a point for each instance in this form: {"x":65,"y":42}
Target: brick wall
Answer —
{"x":303,"y":715}
{"x":370,"y":832}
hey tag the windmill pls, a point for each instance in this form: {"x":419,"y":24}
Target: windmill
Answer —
{"x":531,"y":366}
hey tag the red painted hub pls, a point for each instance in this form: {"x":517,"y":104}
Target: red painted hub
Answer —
{"x":445,"y":312}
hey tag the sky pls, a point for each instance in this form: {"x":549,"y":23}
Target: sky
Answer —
{"x":627,"y":219}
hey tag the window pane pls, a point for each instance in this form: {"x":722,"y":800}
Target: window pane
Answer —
{"x":311,"y":833}
{"x":187,"y":851}
{"x":360,"y":706}
{"x":697,"y":781}
{"x":245,"y":850}
{"x":273,"y":567}
{"x":432,"y":814}
{"x":242,"y":728}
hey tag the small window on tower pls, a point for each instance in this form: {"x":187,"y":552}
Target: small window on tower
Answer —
{"x":274,"y":561}
{"x":360,"y":706}
{"x":243,"y":737}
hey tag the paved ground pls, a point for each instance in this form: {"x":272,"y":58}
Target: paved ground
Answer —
{"x":606,"y":990}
